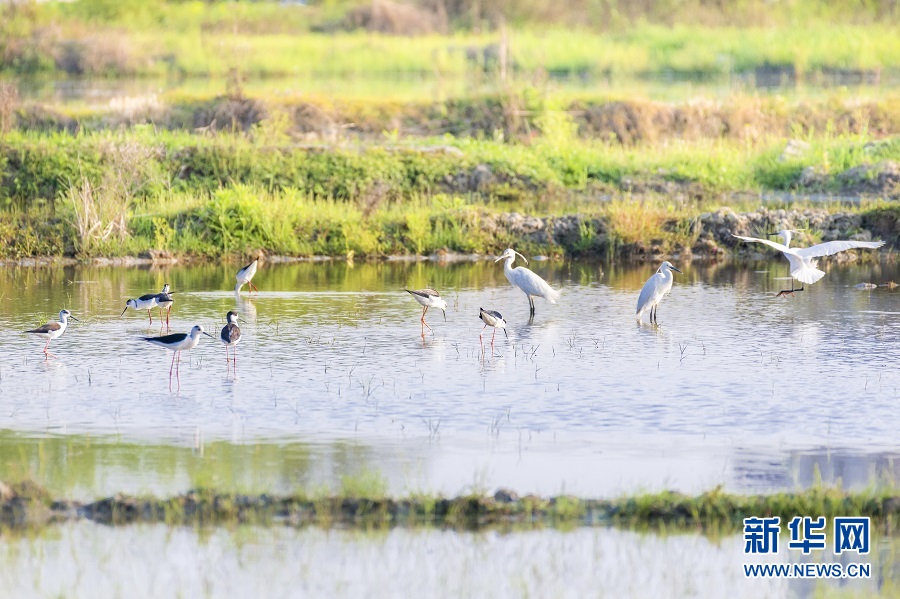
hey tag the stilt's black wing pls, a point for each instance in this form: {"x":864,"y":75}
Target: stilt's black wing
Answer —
{"x":424,"y":292}
{"x":231,"y":334}
{"x":168,"y":339}
{"x":47,"y":328}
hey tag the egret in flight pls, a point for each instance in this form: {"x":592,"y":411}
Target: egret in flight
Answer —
{"x":429,"y":298}
{"x":654,"y":290}
{"x":530,"y":284}
{"x":803,"y":260}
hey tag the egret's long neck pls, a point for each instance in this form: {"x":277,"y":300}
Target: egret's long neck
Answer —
{"x":787,"y":238}
{"x":507,"y":268}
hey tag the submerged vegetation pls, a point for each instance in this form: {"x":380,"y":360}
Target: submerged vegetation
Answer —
{"x":28,"y":504}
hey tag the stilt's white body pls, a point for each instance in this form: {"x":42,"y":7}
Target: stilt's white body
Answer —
{"x":655,"y":289}
{"x":429,"y":301}
{"x":178,"y":343}
{"x":231,"y":333}
{"x":245,"y":275}
{"x":53,"y":330}
{"x":530,"y":284}
{"x":491,"y":318}
{"x":145,"y":302}
{"x":803,"y":260}
{"x":231,"y":336}
{"x":163,"y":299}
{"x":428,"y":298}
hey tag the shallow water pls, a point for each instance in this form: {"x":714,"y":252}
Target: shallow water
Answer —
{"x":87,"y":560}
{"x":125,"y":93}
{"x":735,"y":387}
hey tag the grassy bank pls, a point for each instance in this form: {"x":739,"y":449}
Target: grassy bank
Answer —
{"x":128,"y":192}
{"x":209,"y":39}
{"x":241,"y":220}
{"x":27,"y":504}
{"x":520,"y":114}
{"x":40,"y":168}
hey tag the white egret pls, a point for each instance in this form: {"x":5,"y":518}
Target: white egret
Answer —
{"x":530,"y":284}
{"x":491,"y":318}
{"x":803,"y":260}
{"x":429,"y":298}
{"x":245,"y":275}
{"x":654,"y":290}
{"x":53,"y":330}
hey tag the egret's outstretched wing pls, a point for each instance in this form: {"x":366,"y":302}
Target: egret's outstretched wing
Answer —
{"x":777,"y":246}
{"x":833,"y":247}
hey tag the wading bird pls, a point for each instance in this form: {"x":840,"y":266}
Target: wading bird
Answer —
{"x":803,"y":260}
{"x":231,"y":336}
{"x":177,"y":343}
{"x":245,"y":275}
{"x":52,"y":330}
{"x":491,"y":318}
{"x":145,"y":302}
{"x":429,"y":298}
{"x":164,"y":301}
{"x":530,"y":284}
{"x":654,"y":290}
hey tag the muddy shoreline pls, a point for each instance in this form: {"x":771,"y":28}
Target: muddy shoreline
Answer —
{"x":703,"y":236}
{"x":28,"y":505}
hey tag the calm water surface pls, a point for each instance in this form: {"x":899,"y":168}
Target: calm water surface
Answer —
{"x":735,"y":387}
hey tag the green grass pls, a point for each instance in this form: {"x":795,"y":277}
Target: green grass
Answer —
{"x":38,"y":168}
{"x":264,"y":39}
{"x":228,"y":194}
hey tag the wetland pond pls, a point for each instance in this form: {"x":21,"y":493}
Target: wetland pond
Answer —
{"x":336,"y":387}
{"x":334,"y":380}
